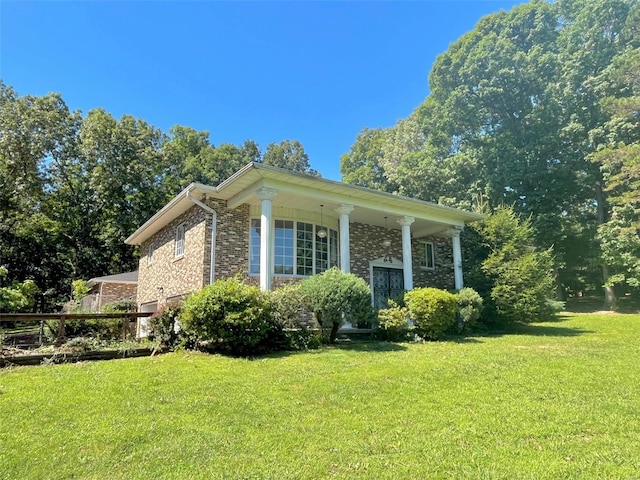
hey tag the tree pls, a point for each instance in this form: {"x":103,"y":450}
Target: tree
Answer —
{"x":521,"y":277}
{"x":363,"y":164}
{"x":290,"y":155}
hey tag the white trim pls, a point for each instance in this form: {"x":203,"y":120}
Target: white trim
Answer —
{"x":426,"y":255}
{"x":295,"y":221}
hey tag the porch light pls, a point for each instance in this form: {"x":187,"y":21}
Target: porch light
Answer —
{"x":386,"y":243}
{"x":322,"y":233}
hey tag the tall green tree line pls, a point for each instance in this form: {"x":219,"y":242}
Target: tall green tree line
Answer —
{"x":74,"y":186}
{"x":537,"y":108}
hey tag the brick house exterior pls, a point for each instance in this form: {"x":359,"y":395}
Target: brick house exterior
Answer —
{"x":274,"y":227}
{"x":110,"y":288}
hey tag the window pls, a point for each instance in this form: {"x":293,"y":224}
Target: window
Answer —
{"x":426,"y":255}
{"x":304,"y":249}
{"x":283,"y":258}
{"x":254,"y":247}
{"x":297,"y":248}
{"x":179,"y":252}
{"x":150,"y":252}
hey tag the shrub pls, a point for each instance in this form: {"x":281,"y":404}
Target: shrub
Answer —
{"x":101,"y":329}
{"x":334,"y":296}
{"x":470,"y":306}
{"x":432,"y":310}
{"x":163,"y":324}
{"x":120,"y":306}
{"x":232,"y":317}
{"x":393,"y":323}
{"x":286,"y":306}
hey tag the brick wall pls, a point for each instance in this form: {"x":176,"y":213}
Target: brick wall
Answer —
{"x":175,"y":276}
{"x":192,"y":271}
{"x":119,"y":291}
{"x":366,"y":245}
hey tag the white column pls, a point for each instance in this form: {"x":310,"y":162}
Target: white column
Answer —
{"x":345,"y":259}
{"x":407,"y":260}
{"x":266,"y":240}
{"x":457,"y":258}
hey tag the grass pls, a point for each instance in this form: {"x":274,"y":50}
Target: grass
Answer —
{"x":552,"y":400}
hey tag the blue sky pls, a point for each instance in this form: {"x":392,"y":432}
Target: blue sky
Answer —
{"x":267,"y":71}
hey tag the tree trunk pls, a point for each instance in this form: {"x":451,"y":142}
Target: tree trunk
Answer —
{"x":334,"y":332}
{"x":609,"y":293}
{"x":610,"y":299}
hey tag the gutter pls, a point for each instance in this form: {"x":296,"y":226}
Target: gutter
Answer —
{"x":214,"y":218}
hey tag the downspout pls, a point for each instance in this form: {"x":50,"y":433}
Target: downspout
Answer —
{"x":214,"y":218}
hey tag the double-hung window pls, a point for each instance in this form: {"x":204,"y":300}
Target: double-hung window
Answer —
{"x":180,"y":241}
{"x":426,"y":255}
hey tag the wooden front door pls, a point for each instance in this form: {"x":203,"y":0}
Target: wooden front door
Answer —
{"x":387,"y":283}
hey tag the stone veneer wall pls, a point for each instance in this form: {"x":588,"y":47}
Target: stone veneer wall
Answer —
{"x":366,"y":245}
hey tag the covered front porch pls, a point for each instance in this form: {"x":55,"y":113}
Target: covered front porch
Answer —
{"x":301,"y":225}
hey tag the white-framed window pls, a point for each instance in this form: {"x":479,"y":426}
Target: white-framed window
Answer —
{"x":426,"y":255}
{"x":298,"y":250}
{"x":180,"y":241}
{"x":150,"y":252}
{"x":254,"y":247}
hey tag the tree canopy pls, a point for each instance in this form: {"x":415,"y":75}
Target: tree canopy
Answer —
{"x":74,"y":186}
{"x":537,"y":108}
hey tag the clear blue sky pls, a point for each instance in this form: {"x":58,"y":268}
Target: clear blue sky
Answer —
{"x":267,"y":71}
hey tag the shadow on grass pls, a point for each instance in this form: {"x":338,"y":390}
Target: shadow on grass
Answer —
{"x":591,"y":304}
{"x":536,"y":330}
{"x":374,"y":346}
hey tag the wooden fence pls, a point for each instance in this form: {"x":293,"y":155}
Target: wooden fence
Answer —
{"x":63,"y":317}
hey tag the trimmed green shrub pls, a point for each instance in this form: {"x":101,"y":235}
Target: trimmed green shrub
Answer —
{"x":286,"y":305}
{"x":334,"y":297}
{"x":163,"y":324}
{"x":231,"y":317}
{"x":432,"y":310}
{"x":393,"y":323}
{"x":470,"y":306}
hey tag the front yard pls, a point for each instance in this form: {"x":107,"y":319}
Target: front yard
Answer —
{"x":549,"y":400}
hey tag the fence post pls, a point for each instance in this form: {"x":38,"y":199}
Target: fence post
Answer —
{"x":61,"y":326}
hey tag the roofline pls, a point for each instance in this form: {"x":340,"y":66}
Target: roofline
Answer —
{"x":189,"y":188}
{"x":261,"y":166}
{"x":455,"y":212}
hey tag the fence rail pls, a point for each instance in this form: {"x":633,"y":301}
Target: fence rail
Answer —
{"x":63,"y":317}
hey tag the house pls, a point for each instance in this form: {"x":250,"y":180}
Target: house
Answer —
{"x":110,"y":288}
{"x":274,"y":227}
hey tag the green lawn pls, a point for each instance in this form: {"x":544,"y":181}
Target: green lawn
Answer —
{"x":553,"y":400}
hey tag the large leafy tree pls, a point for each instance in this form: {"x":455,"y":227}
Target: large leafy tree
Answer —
{"x":516,"y":114}
{"x":290,"y":155}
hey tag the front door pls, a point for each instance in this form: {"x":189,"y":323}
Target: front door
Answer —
{"x":387,"y":283}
